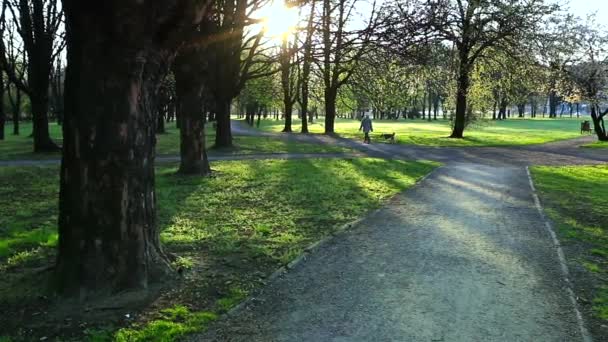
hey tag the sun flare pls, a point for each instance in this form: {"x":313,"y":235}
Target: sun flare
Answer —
{"x":279,"y":19}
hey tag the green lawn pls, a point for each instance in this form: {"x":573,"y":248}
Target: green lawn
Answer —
{"x":489,"y":133}
{"x":20,"y":147}
{"x":597,"y":144}
{"x":228,"y":231}
{"x":575,"y":197}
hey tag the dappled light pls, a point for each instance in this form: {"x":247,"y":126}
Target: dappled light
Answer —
{"x":281,"y":170}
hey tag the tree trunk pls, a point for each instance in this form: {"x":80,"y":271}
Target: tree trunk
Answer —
{"x":2,"y":112}
{"x":424,"y":105}
{"x":521,"y":110}
{"x":16,"y":111}
{"x":461,"y":98}
{"x":40,"y":120}
{"x":288,"y":112}
{"x":304,"y":106}
{"x":187,"y":69}
{"x":598,"y":123}
{"x":108,"y":235}
{"x":430,"y":98}
{"x":553,"y":103}
{"x":223,"y":134}
{"x":160,"y":121}
{"x":330,"y":110}
{"x":502,"y":111}
{"x":192,"y":135}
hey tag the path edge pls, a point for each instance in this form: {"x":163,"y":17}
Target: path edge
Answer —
{"x":318,"y":244}
{"x":562,"y":260}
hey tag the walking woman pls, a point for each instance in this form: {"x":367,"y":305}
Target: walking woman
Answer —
{"x":366,"y":127}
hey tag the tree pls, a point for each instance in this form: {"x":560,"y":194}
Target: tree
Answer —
{"x":236,"y":52}
{"x":38,"y":24}
{"x":304,"y":68}
{"x":259,"y":94}
{"x":14,"y":57}
{"x":341,"y":50}
{"x":2,"y":82}
{"x":474,"y":26}
{"x":289,"y":79}
{"x":385,"y":83}
{"x":118,"y":53}
{"x":590,"y":74}
{"x":190,"y":68}
{"x":557,"y":45}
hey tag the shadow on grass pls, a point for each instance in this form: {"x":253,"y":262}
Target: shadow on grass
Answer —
{"x":229,"y":231}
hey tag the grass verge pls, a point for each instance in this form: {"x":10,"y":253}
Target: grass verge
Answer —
{"x":229,"y":232}
{"x":597,"y":144}
{"x":575,"y":198}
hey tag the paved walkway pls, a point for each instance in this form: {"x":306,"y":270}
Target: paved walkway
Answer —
{"x":463,"y":256}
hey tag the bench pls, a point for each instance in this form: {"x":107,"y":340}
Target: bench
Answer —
{"x":586,"y":127}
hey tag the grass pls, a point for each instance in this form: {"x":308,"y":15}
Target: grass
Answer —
{"x":20,"y":147}
{"x":575,"y":198}
{"x":229,"y":231}
{"x":173,"y":323}
{"x":512,"y":132}
{"x":597,"y":144}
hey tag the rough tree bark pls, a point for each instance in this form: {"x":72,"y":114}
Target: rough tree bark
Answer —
{"x":15,"y":107}
{"x":598,"y":123}
{"x":288,"y":83}
{"x":553,"y":103}
{"x":461,"y":97}
{"x":330,"y":109}
{"x":223,"y":135}
{"x":189,"y":88}
{"x":2,"y":112}
{"x":117,"y":54}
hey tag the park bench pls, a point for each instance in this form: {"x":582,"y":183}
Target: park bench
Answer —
{"x":389,"y":137}
{"x":586,"y":126}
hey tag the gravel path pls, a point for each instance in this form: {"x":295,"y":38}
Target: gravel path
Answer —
{"x":463,"y":256}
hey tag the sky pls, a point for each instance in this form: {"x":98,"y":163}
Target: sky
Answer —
{"x":583,"y":7}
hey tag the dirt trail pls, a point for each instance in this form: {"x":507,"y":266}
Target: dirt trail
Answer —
{"x":463,"y":256}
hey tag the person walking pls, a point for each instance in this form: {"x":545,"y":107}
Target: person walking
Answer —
{"x":366,"y":127}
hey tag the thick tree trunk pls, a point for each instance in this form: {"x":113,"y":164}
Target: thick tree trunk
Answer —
{"x":424,"y":105}
{"x":430,"y":98}
{"x":553,"y":103}
{"x":223,"y":134}
{"x":330,"y":110}
{"x":192,"y":137}
{"x":160,"y":121}
{"x":40,"y":121}
{"x":598,"y":123}
{"x":502,"y":112}
{"x":304,"y":105}
{"x":2,"y":112}
{"x":189,"y":89}
{"x":16,"y":111}
{"x":461,"y":100}
{"x":521,"y":110}
{"x":108,"y":235}
{"x":288,"y":113}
